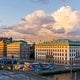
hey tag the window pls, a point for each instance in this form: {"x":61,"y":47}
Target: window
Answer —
{"x":70,"y":54}
{"x":70,"y":50}
{"x":66,"y":54}
{"x":65,"y":50}
{"x":65,"y":58}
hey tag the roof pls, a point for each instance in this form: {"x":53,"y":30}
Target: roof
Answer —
{"x":19,"y":42}
{"x":61,"y":41}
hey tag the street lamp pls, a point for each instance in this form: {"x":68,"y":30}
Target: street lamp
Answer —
{"x":71,"y":72}
{"x":71,"y":69}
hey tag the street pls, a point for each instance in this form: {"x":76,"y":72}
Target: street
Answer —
{"x":8,"y":75}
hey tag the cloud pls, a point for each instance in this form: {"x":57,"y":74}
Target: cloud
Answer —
{"x":34,"y":22}
{"x":69,"y":19}
{"x":39,"y":17}
{"x":63,"y":23}
{"x":59,"y":31}
{"x":75,"y":32}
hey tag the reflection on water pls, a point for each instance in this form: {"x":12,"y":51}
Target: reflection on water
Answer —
{"x":65,"y":76}
{"x":62,"y":77}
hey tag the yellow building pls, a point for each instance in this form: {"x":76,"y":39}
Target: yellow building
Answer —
{"x":3,"y":46}
{"x":13,"y":50}
{"x":62,"y":51}
{"x":18,"y":49}
{"x":3,"y":49}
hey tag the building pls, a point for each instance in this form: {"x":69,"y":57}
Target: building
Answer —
{"x":32,"y":51}
{"x":62,"y":51}
{"x":18,"y":49}
{"x":3,"y":46}
{"x":2,"y":49}
{"x":6,"y":40}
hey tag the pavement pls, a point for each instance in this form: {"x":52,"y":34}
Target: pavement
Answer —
{"x":9,"y":75}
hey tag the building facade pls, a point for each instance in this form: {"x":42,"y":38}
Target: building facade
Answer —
{"x":25,"y":51}
{"x":32,"y":51}
{"x":18,"y":49}
{"x":3,"y":46}
{"x":62,"y":51}
{"x":2,"y":49}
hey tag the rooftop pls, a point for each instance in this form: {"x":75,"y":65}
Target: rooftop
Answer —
{"x":18,"y":42}
{"x":61,"y":41}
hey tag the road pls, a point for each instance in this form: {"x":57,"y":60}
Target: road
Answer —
{"x":9,"y":75}
{"x":58,"y":68}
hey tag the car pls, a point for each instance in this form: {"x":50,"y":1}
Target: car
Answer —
{"x":67,"y":66}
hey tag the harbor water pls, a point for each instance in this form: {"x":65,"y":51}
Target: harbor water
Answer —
{"x":65,"y":76}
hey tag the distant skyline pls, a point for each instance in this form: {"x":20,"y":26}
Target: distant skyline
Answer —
{"x":36,"y":20}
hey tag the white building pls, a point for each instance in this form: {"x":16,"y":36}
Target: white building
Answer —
{"x":61,"y":51}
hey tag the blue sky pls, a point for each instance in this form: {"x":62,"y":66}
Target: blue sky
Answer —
{"x":44,"y":19}
{"x":11,"y":11}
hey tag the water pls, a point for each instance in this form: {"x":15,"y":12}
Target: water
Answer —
{"x":65,"y":76}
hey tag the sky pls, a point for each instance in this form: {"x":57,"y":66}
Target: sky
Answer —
{"x":12,"y":11}
{"x":40,"y":19}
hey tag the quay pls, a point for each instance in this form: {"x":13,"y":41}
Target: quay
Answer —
{"x":57,"y":68}
{"x":60,"y":69}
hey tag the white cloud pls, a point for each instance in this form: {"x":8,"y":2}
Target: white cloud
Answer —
{"x":67,"y":18}
{"x":34,"y":23}
{"x":40,"y":25}
{"x":39,"y":17}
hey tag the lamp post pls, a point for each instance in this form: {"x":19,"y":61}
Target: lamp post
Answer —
{"x":75,"y":74}
{"x":71,"y":69}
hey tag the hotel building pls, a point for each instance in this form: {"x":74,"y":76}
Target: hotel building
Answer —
{"x":18,"y":49}
{"x":62,"y":51}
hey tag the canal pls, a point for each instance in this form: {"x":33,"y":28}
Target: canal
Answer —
{"x":64,"y":76}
